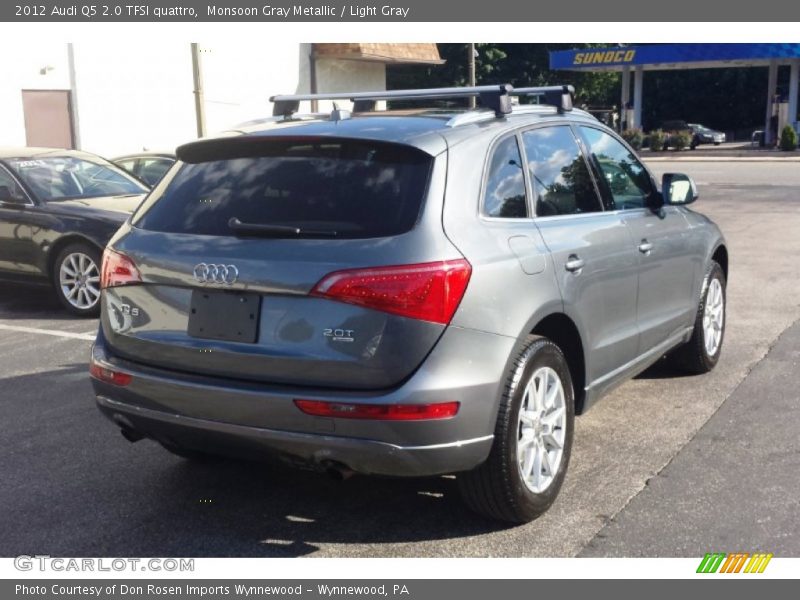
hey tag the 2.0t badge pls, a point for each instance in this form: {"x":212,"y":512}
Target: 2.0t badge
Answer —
{"x":340,"y":335}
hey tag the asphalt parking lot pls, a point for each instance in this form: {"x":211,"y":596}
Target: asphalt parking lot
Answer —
{"x":72,"y":486}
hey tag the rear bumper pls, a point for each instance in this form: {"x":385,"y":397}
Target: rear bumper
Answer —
{"x":250,"y":420}
{"x":362,"y":456}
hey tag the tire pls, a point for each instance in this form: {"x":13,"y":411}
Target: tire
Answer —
{"x":84,"y":259}
{"x":700,"y":354}
{"x":497,"y":488}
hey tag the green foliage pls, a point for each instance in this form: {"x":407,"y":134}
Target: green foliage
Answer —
{"x":657,"y":140}
{"x":788,"y":138}
{"x":517,"y":64}
{"x":635,"y":137}
{"x":681,"y":140}
{"x":719,"y":98}
{"x":723,"y":99}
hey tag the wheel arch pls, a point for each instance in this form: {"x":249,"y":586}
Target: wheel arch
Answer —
{"x":720,"y":256}
{"x":562,"y":331}
{"x":63,"y":242}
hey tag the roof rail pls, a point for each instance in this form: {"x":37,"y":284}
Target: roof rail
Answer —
{"x":496,"y":97}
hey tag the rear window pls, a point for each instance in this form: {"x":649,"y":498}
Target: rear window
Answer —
{"x":353,"y":188}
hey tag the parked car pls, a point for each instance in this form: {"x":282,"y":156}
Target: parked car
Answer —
{"x":58,"y":208}
{"x":405,"y":293}
{"x":149,"y":167}
{"x":705,"y":135}
{"x":700,"y":134}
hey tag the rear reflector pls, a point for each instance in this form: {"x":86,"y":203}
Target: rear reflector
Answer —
{"x":108,"y":375}
{"x":118,"y":269}
{"x":379,"y":412}
{"x":426,"y":291}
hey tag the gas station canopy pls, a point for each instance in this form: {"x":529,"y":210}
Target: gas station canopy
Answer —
{"x":660,"y":57}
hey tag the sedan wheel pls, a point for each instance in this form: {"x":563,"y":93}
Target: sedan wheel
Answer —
{"x":77,"y":279}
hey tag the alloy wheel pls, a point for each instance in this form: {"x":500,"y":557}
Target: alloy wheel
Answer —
{"x":541,"y":430}
{"x":79,"y":278}
{"x":713,"y":317}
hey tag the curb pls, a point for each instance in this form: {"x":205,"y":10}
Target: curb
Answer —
{"x":745,"y":158}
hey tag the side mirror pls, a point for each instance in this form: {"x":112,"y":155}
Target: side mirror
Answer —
{"x":678,"y":189}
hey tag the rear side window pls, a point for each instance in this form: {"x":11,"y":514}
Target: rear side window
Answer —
{"x":357,"y":189}
{"x":505,"y":185}
{"x":560,"y":178}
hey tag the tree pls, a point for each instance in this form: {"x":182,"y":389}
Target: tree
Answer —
{"x":719,"y":98}
{"x":517,"y":64}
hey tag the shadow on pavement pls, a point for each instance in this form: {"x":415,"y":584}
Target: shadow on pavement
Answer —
{"x":26,"y":301}
{"x":74,"y":487}
{"x":663,"y":369}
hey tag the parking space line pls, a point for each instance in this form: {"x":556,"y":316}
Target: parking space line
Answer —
{"x":65,"y":334}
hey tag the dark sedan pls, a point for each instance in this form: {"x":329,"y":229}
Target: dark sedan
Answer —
{"x":58,"y":209}
{"x":706,"y":135}
{"x":700,"y":134}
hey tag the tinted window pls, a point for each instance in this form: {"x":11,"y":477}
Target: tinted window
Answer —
{"x":356,"y":189}
{"x":65,"y":177}
{"x":505,"y":184}
{"x":151,"y":170}
{"x":624,"y":183}
{"x":562,"y":184}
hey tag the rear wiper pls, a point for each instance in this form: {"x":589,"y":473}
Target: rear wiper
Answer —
{"x":278,"y":231}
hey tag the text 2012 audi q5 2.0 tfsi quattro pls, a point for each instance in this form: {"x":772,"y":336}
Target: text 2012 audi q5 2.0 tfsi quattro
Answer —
{"x":404,"y":294}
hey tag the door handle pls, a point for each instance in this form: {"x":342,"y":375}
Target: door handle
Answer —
{"x":645,"y":247}
{"x":574,"y":263}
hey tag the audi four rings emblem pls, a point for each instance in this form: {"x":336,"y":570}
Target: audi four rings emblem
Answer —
{"x":210,"y":273}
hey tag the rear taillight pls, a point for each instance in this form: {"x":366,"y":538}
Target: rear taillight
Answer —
{"x":427,"y":291}
{"x":378,"y":412}
{"x":109,"y":375}
{"x":118,"y":269}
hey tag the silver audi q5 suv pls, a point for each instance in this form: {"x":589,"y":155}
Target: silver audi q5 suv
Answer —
{"x":404,"y":293}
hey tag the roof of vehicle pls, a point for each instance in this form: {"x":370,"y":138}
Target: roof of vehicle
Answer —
{"x":145,"y":154}
{"x":32,"y":152}
{"x":430,"y":130}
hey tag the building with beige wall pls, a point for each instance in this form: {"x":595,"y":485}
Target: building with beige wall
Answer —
{"x":132,"y":96}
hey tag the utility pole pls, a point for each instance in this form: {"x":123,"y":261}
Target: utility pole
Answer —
{"x":199,"y":98}
{"x":471,"y":70}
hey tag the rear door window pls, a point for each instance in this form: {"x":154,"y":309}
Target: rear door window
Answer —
{"x":560,"y":177}
{"x":353,"y":188}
